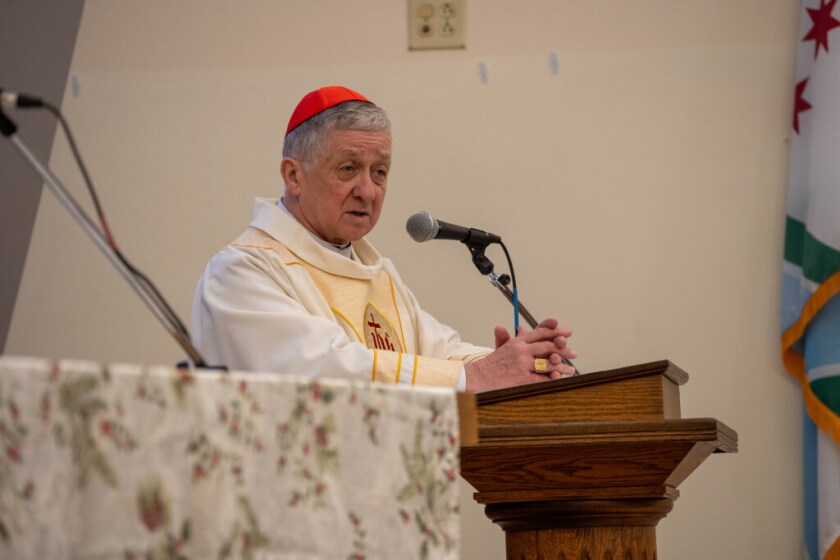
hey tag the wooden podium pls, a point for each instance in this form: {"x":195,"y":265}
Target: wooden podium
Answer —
{"x":585,"y":467}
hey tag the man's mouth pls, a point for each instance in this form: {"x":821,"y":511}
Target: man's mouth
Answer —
{"x":358,"y":213}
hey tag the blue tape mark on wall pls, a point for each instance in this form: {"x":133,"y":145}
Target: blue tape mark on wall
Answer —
{"x":482,"y":72}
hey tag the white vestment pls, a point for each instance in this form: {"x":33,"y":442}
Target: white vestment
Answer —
{"x":276,"y":300}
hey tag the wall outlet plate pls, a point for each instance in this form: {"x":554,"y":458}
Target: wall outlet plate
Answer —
{"x":437,"y":24}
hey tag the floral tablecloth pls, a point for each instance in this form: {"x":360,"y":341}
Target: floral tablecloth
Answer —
{"x":133,"y":462}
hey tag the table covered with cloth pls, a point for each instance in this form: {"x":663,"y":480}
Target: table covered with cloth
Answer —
{"x":137,"y":462}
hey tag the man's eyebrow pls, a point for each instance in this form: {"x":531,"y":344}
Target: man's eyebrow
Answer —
{"x":351,"y":152}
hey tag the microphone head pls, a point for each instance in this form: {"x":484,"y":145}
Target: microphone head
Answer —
{"x":422,"y":227}
{"x":7,"y":98}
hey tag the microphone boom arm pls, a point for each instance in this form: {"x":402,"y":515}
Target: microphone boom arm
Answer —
{"x":8,"y":129}
{"x":500,"y":281}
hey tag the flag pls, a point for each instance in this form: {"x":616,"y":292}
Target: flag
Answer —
{"x":811,"y":274}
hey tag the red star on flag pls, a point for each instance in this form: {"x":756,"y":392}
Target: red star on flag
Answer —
{"x":799,"y":103}
{"x":823,"y":23}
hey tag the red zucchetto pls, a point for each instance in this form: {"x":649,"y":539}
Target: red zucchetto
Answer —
{"x":321,"y":100}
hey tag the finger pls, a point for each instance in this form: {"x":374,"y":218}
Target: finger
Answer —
{"x":541,"y":334}
{"x":564,"y":331}
{"x":560,"y":371}
{"x":502,"y":336}
{"x":556,"y":332}
{"x":542,"y":349}
{"x":552,"y":323}
{"x":562,"y":348}
{"x":558,"y":367}
{"x":568,"y":353}
{"x":565,"y":352}
{"x":566,"y":370}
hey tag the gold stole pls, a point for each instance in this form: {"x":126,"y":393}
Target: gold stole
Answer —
{"x":367,"y":309}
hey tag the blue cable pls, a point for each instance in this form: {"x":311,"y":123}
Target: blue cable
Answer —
{"x":515,"y":312}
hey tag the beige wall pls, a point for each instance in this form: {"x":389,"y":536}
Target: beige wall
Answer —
{"x":640,"y":191}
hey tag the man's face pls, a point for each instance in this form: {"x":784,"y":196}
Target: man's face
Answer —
{"x":340,"y":193}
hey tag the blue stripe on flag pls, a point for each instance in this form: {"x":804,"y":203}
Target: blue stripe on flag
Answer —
{"x":809,"y":483}
{"x":823,"y":343}
{"x":794,"y":296}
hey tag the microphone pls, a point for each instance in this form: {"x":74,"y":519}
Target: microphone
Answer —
{"x":12,"y":99}
{"x":422,"y":227}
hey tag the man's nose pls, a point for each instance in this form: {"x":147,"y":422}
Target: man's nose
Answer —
{"x":365,"y":189}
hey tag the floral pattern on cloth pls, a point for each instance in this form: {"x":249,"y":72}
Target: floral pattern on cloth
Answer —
{"x":133,"y":462}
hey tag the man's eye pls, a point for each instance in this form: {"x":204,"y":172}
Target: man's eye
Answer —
{"x":346,"y":172}
{"x":379,"y":176}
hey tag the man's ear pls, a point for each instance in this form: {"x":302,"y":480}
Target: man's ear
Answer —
{"x":292,"y":171}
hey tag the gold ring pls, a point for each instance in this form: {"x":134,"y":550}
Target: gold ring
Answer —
{"x":540,"y":365}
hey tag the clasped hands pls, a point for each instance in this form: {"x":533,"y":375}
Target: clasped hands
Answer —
{"x":528,"y":357}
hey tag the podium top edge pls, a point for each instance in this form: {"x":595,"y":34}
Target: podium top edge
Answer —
{"x":665,"y":368}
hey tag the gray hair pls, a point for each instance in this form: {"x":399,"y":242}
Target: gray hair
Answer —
{"x":306,"y":142}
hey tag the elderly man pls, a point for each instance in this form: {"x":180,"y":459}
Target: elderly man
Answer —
{"x":302,"y":292}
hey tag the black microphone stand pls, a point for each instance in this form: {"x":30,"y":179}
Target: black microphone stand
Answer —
{"x":485,"y":267}
{"x":9,"y":130}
